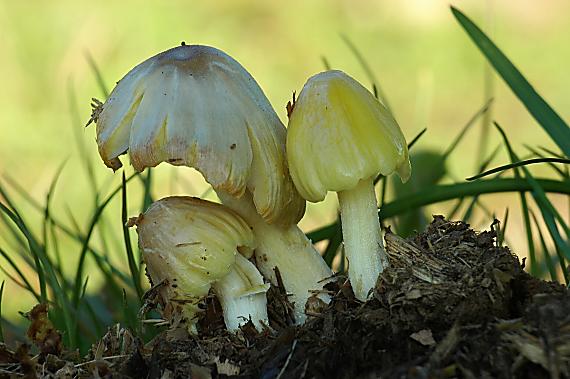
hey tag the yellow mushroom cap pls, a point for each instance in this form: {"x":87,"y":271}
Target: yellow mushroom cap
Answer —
{"x":191,"y":243}
{"x":196,"y":106}
{"x":339,"y":134}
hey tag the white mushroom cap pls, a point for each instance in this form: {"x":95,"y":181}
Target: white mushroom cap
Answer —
{"x":191,"y":242}
{"x":340,"y":134}
{"x":198,"y":107}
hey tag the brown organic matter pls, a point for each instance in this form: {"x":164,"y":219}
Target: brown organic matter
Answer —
{"x":42,"y":332}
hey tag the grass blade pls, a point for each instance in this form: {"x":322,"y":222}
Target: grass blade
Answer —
{"x":524,"y":205}
{"x":550,"y":121}
{"x":551,"y":152}
{"x":18,"y":241}
{"x":102,"y":261}
{"x":562,"y":249}
{"x":547,"y":258}
{"x":547,"y":210}
{"x":85,"y":247}
{"x":475,"y":200}
{"x":416,"y":138}
{"x":20,"y":274}
{"x":147,"y":196}
{"x":519,"y":164}
{"x":55,"y":245}
{"x":43,"y":263}
{"x":443,"y":192}
{"x":104,"y":265}
{"x":501,"y":236}
{"x":74,"y":234}
{"x":135,"y":274}
{"x":46,"y":219}
{"x":456,"y":208}
{"x":410,"y":145}
{"x":538,"y":193}
{"x":12,"y":278}
{"x":35,"y":249}
{"x":97,"y":73}
{"x":563,"y":173}
{"x":369,"y":73}
{"x":332,"y":247}
{"x":563,"y":266}
{"x":326,"y":63}
{"x":432,"y":169}
{"x":1,"y":293}
{"x":80,"y":139}
{"x":480,"y":112}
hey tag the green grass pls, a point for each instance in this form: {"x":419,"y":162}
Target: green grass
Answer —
{"x":548,"y":119}
{"x":1,"y":293}
{"x":34,"y":254}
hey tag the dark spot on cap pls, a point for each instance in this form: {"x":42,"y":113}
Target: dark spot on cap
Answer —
{"x":183,"y":43}
{"x":233,"y":146}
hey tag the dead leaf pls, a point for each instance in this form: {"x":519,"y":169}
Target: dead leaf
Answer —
{"x":66,"y":372}
{"x":200,"y":372}
{"x":414,"y":294}
{"x":291,"y":105}
{"x":226,"y":367}
{"x":132,"y":221}
{"x":96,"y":109}
{"x":27,"y":364}
{"x":42,"y":332}
{"x":6,"y":356}
{"x":424,"y":337}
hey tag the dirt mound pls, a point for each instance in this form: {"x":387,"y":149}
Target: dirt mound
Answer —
{"x":452,"y":304}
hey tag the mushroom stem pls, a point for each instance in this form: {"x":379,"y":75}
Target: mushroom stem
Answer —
{"x":362,"y":239}
{"x":242,"y":295}
{"x":302,"y":268}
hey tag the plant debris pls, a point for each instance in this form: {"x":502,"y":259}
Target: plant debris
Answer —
{"x":42,"y":332}
{"x":453,"y":304}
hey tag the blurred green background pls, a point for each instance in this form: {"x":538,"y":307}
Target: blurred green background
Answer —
{"x":432,"y":75}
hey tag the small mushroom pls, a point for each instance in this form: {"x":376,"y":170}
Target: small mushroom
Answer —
{"x":198,"y":107}
{"x":192,"y":245}
{"x":339,"y":139}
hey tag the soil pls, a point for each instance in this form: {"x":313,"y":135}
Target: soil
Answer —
{"x":453,"y":304}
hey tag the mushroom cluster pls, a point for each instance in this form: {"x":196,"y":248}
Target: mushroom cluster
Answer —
{"x":196,"y":106}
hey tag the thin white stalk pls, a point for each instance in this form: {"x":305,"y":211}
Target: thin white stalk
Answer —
{"x":302,"y":268}
{"x":362,"y":239}
{"x":242,"y":294}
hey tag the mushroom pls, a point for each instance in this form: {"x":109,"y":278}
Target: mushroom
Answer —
{"x":196,"y":106}
{"x":339,"y":139}
{"x":191,"y":245}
